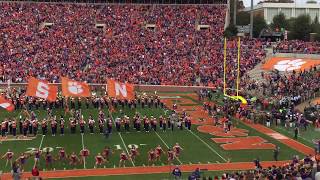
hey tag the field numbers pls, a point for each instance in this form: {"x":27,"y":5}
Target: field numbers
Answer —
{"x":32,"y":150}
{"x":118,"y":146}
{"x":133,"y":145}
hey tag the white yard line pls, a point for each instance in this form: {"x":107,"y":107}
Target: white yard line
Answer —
{"x":214,"y":151}
{"x":124,"y":144}
{"x":166,"y":144}
{"x":84,"y":159}
{"x":41,"y":141}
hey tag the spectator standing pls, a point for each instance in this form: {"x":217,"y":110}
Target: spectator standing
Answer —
{"x":276,"y":153}
{"x":296,"y":132}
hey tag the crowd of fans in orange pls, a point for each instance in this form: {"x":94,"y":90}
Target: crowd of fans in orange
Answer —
{"x":173,"y":52}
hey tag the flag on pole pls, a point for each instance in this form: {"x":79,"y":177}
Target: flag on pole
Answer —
{"x":120,"y":90}
{"x":71,"y":88}
{"x":41,"y":89}
{"x":6,"y":104}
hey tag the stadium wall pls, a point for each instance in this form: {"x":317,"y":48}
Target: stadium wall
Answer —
{"x":141,"y":88}
{"x":119,"y":2}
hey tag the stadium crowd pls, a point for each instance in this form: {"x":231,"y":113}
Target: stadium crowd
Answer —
{"x":295,"y":87}
{"x":280,"y":94}
{"x":297,"y":46}
{"x":304,"y":169}
{"x":173,"y":52}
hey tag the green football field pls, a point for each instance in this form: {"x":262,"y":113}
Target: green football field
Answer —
{"x":197,"y":146}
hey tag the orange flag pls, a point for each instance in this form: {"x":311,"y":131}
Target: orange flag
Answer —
{"x":42,"y":89}
{"x":6,"y":104}
{"x":120,"y":90}
{"x":71,"y":88}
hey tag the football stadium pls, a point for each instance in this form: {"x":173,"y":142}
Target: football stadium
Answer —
{"x":143,"y":89}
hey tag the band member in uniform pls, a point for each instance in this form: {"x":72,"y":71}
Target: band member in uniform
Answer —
{"x":126,"y":123}
{"x":101,"y":124}
{"x":109,"y":125}
{"x":154,"y":123}
{"x":99,"y":160}
{"x":123,"y":159}
{"x":44,"y":127}
{"x":3,"y":129}
{"x":160,"y":122}
{"x":73,"y":159}
{"x":159,"y":152}
{"x":72,"y":125}
{"x":133,"y":152}
{"x":118,"y":124}
{"x":82,"y":124}
{"x":151,"y":157}
{"x":147,"y":125}
{"x":54,"y":125}
{"x":14,"y":128}
{"x":20,"y":124}
{"x":9,"y":157}
{"x":164,"y":124}
{"x":138,"y":124}
{"x":188,"y":122}
{"x":25,"y":128}
{"x":61,"y":126}
{"x":35,"y":127}
{"x":91,"y":124}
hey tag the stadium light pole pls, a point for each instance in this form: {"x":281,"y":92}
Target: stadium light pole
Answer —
{"x":251,"y":20}
{"x":235,"y":12}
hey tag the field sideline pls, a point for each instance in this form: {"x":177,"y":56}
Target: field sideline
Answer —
{"x":198,"y":148}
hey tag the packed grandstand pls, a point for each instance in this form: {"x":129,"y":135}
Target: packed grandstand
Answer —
{"x":57,"y":57}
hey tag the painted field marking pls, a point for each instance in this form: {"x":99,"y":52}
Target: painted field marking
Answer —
{"x":170,"y":97}
{"x":277,"y":136}
{"x":83,"y":158}
{"x":166,"y":145}
{"x":214,"y":151}
{"x":124,"y":144}
{"x":41,"y":141}
{"x":283,"y":129}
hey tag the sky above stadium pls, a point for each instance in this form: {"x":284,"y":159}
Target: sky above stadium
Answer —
{"x":247,"y":2}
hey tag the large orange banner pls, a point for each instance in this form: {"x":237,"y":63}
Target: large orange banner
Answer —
{"x":41,"y":89}
{"x":71,"y":88}
{"x":120,"y":90}
{"x":6,"y":104}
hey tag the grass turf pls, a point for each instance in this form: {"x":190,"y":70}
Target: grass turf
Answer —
{"x":195,"y":151}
